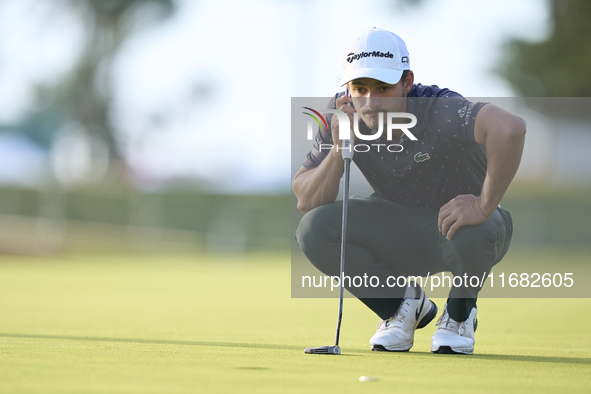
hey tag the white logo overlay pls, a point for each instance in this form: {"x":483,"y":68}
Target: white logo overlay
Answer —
{"x":345,"y":131}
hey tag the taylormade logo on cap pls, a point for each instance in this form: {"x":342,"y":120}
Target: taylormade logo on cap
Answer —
{"x":377,"y":54}
{"x":352,"y":56}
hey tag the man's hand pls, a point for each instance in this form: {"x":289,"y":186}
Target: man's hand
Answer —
{"x":345,"y":104}
{"x":462,"y":210}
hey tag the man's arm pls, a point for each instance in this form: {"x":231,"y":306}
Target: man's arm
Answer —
{"x":320,"y":185}
{"x":503,"y":134}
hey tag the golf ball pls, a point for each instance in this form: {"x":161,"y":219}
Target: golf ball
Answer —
{"x":368,"y":379}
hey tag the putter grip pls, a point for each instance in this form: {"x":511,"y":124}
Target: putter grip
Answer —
{"x":347,"y":146}
{"x":347,"y":149}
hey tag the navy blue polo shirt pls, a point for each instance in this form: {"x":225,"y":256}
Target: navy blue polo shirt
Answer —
{"x":444,"y":162}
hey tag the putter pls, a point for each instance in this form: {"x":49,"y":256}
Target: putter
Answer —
{"x":347,"y":153}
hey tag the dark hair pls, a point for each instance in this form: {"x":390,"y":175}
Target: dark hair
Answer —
{"x":404,"y":75}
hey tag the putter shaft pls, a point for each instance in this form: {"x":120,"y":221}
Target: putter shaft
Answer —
{"x":343,"y":243}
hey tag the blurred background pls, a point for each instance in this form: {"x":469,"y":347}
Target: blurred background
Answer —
{"x":159,"y":125}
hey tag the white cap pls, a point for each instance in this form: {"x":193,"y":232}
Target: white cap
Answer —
{"x":377,"y":54}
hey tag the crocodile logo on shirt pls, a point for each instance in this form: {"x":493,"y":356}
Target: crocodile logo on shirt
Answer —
{"x":420,"y":157}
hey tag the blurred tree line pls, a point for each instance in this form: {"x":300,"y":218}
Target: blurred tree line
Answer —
{"x":559,"y":66}
{"x":85,"y":96}
{"x":556,"y":67}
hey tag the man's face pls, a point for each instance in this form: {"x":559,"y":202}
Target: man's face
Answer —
{"x":372,"y":97}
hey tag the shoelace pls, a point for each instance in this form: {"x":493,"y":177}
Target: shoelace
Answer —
{"x":398,"y":318}
{"x":450,"y":324}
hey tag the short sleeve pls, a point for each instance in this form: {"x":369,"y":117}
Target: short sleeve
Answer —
{"x":454,"y":118}
{"x":323,"y":136}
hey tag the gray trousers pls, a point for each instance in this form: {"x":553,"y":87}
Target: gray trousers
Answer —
{"x":385,"y":239}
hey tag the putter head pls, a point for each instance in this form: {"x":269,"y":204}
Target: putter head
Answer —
{"x":323,"y":350}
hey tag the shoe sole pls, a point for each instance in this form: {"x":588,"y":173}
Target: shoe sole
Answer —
{"x":380,"y":348}
{"x":424,"y":321}
{"x":449,"y":350}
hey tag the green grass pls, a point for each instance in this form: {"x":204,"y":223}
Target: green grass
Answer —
{"x":186,"y":324}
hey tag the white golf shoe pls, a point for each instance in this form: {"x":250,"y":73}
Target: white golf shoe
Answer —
{"x":452,"y":336}
{"x":397,"y":333}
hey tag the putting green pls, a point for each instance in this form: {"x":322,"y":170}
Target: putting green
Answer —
{"x":186,"y":324}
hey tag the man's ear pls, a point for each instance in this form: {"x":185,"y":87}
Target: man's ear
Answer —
{"x":408,"y":82}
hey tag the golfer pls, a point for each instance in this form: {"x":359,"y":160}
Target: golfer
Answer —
{"x":436,"y":201}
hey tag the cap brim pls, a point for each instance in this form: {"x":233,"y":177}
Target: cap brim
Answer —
{"x":386,"y":75}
